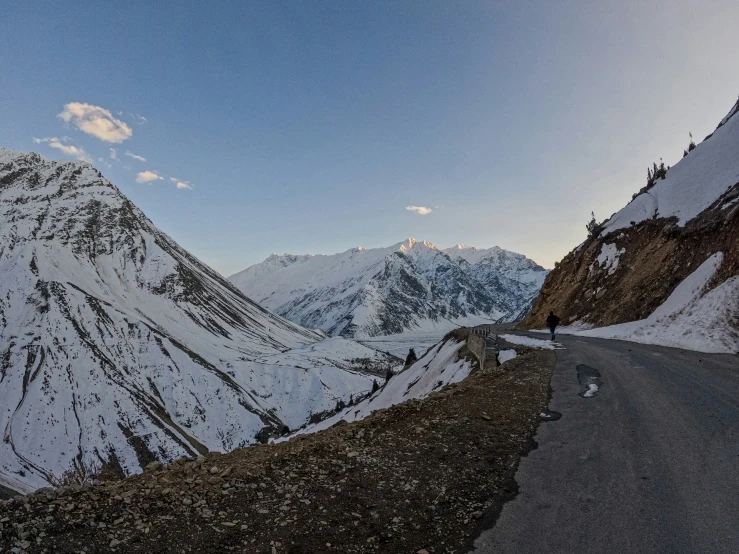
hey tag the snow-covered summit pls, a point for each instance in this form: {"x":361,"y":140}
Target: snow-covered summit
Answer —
{"x":496,"y":261}
{"x":411,"y":285}
{"x":118,"y":345}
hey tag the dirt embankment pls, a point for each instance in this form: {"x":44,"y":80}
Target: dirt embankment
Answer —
{"x":427,"y":474}
{"x":657,"y":256}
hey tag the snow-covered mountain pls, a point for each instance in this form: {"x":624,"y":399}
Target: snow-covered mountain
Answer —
{"x":118,"y":346}
{"x":410,"y":286}
{"x":665,"y":268}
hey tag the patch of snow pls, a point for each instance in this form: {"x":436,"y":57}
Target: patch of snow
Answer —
{"x":592,"y":390}
{"x":608,"y":258}
{"x":688,"y":319}
{"x":689,"y":289}
{"x":533,"y":343}
{"x":505,"y":355}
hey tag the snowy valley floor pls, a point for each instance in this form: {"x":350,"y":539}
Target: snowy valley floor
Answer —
{"x":426,"y":474}
{"x":398,"y":345}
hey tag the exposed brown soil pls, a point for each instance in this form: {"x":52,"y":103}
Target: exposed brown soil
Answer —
{"x":427,"y":474}
{"x":658,"y":256}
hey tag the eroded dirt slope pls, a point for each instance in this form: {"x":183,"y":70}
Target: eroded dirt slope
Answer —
{"x":655,"y":256}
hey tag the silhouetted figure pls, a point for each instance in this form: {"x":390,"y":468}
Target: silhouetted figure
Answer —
{"x":411,"y":358}
{"x":552,"y":322}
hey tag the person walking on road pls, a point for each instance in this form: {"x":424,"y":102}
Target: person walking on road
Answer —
{"x":552,"y":322}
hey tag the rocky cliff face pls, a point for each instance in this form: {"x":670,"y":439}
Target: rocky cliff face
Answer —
{"x":410,"y":286}
{"x":648,"y":248}
{"x":118,"y":346}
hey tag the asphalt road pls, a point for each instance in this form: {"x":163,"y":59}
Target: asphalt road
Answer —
{"x":649,"y":463}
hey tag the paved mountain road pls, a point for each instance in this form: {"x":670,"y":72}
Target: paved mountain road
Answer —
{"x":649,"y":463}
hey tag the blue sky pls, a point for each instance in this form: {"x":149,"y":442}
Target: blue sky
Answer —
{"x":311,"y":126}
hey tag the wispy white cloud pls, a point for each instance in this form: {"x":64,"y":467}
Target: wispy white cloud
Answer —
{"x":180,"y":184}
{"x":96,"y":121}
{"x":139,"y":119}
{"x":148,"y":177}
{"x":68,"y":149}
{"x":113,"y":154}
{"x":135,"y":157}
{"x":420,"y":210}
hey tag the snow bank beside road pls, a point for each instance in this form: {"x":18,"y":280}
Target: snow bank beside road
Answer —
{"x":534,"y":343}
{"x":687,"y":319}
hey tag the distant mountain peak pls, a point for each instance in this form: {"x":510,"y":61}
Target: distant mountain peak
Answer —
{"x":414,"y":244}
{"x":411,"y":285}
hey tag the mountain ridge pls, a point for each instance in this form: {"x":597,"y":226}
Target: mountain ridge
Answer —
{"x":117,"y":346}
{"x":411,"y":285}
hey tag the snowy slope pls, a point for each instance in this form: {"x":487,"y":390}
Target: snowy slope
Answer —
{"x":440,"y":366}
{"x":688,"y":318}
{"x":693,"y":184}
{"x":410,"y":286}
{"x":637,"y":278}
{"x":118,"y":345}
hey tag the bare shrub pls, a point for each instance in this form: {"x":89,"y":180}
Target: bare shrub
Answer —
{"x":78,"y":474}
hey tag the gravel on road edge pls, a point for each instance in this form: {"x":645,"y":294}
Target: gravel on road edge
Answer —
{"x":427,"y":475}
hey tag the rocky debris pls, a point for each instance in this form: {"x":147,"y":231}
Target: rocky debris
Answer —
{"x":417,"y":477}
